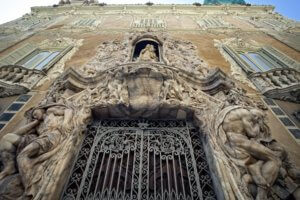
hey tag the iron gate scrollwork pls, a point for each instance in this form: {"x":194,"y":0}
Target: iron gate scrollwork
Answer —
{"x":140,"y":159}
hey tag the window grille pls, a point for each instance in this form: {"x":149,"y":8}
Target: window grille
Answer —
{"x":140,"y":159}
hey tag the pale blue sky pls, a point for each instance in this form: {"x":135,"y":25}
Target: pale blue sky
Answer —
{"x":13,"y":9}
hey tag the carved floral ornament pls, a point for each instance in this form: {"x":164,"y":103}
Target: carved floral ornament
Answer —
{"x":46,"y":146}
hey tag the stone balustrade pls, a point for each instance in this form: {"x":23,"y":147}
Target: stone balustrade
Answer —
{"x":283,"y":83}
{"x":13,"y":77}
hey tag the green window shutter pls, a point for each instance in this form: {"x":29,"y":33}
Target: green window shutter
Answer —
{"x":17,"y":55}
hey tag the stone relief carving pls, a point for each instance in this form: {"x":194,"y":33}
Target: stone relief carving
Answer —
{"x":176,"y":53}
{"x":281,"y":28}
{"x":250,"y":163}
{"x":35,"y":148}
{"x":260,"y":162}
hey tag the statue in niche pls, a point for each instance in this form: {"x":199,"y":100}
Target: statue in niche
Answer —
{"x":247,"y":142}
{"x":148,"y":54}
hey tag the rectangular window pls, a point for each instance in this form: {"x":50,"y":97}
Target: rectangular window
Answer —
{"x":32,"y":57}
{"x":38,"y":59}
{"x":259,"y":61}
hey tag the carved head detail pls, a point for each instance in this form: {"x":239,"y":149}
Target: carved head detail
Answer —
{"x":257,"y":115}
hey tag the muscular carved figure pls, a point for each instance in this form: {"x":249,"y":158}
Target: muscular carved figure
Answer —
{"x":246,"y":134}
{"x":148,"y":54}
{"x":9,"y":144}
{"x":56,"y":123}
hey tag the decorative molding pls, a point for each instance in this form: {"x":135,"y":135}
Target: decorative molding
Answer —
{"x":149,"y":23}
{"x":213,"y":22}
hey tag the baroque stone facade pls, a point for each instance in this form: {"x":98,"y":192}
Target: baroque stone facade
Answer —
{"x":143,"y":63}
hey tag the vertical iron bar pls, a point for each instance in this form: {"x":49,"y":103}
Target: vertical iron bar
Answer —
{"x":148,"y":163}
{"x":154,"y":171}
{"x":141,"y":164}
{"x":133,"y":165}
{"x":175,"y":177}
{"x":127,"y":170}
{"x":112,"y":177}
{"x":182,"y":180}
{"x":161,"y":174}
{"x":119,"y":177}
{"x":168,"y":178}
{"x":105,"y":176}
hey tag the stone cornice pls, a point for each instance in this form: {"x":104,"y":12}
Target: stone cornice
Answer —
{"x":159,"y":8}
{"x":212,"y":83}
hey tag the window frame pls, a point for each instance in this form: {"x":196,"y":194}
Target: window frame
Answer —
{"x":264,"y":55}
{"x":35,"y":65}
{"x":271,"y":55}
{"x":18,"y":56}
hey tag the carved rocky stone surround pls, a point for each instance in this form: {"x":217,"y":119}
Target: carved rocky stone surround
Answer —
{"x":135,"y":90}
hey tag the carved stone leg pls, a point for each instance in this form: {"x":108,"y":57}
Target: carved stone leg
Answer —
{"x":8,"y":153}
{"x":262,"y":194}
{"x":255,"y":171}
{"x":25,"y":164}
{"x":8,"y":160}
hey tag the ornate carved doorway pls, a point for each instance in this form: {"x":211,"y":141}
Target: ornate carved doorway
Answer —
{"x":140,"y":159}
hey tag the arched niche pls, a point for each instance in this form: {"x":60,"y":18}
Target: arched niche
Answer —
{"x":140,"y":44}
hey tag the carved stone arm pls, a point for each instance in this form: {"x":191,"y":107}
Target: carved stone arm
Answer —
{"x":28,"y":127}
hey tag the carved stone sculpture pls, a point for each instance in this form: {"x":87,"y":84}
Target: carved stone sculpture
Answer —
{"x":36,"y":145}
{"x":9,"y":145}
{"x":148,"y":54}
{"x":246,"y":141}
{"x":254,"y":164}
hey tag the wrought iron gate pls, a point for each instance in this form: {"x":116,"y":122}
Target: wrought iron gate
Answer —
{"x":140,"y":159}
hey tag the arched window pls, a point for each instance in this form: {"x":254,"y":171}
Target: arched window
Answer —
{"x":147,"y":50}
